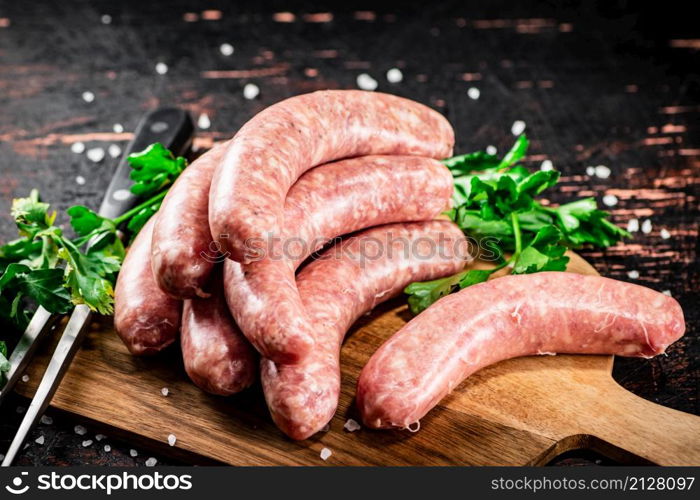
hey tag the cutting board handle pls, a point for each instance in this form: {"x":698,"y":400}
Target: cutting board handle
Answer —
{"x":647,"y":430}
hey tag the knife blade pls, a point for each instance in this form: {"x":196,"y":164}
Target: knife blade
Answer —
{"x":174,"y":129}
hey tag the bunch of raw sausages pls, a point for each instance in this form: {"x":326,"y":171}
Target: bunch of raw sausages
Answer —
{"x":218,"y":263}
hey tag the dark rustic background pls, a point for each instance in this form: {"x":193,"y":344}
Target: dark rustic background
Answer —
{"x":597,"y":83}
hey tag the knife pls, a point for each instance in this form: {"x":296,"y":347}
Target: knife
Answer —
{"x":174,"y":129}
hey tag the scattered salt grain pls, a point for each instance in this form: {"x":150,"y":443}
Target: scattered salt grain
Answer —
{"x":491,"y":150}
{"x":473,"y":93}
{"x":664,"y":234}
{"x":203,"y":121}
{"x":667,"y":292}
{"x":80,"y":180}
{"x":121,"y":194}
{"x":39,"y":440}
{"x":100,"y":437}
{"x":602,"y":171}
{"x":633,"y":225}
{"x":251,"y":91}
{"x":96,"y":154}
{"x":590,"y":171}
{"x":114,"y":150}
{"x":325,"y":453}
{"x":2,"y":457}
{"x":226,"y":49}
{"x":80,"y":430}
{"x":646,"y":226}
{"x":77,"y":147}
{"x":46,"y":420}
{"x":87,"y":443}
{"x":118,"y":128}
{"x":351,"y":425}
{"x":366,"y":82}
{"x":21,"y":409}
{"x":161,"y":68}
{"x":88,"y":96}
{"x":25,"y":378}
{"x":394,"y":75}
{"x":164,"y":391}
{"x":133,"y":452}
{"x":106,"y":19}
{"x":547,"y":165}
{"x":518,"y":127}
{"x":633,"y":274}
{"x":151,"y":462}
{"x":172,"y":439}
{"x":610,"y":200}
{"x":107,"y":448}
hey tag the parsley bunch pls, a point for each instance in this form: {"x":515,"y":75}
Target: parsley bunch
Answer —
{"x":45,"y":267}
{"x":495,"y":204}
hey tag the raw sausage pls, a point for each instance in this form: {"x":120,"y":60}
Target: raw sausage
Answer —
{"x":344,"y":283}
{"x":335,"y":199}
{"x":181,"y":237}
{"x":217,"y":357}
{"x":271,"y":151}
{"x":550,"y":312}
{"x":146,"y":319}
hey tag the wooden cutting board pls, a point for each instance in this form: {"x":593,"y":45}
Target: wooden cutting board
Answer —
{"x":517,"y":412}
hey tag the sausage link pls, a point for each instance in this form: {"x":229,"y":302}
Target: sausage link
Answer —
{"x":272,"y":150}
{"x":146,"y":319}
{"x":217,"y":357}
{"x":181,"y":237}
{"x":335,"y":199}
{"x":345,"y":282}
{"x":550,"y":312}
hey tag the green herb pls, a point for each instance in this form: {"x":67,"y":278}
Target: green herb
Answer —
{"x":496,"y":204}
{"x":44,"y":267}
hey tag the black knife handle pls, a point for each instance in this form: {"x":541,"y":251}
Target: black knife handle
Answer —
{"x":173,"y":128}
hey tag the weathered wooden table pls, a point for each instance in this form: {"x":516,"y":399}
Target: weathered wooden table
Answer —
{"x":613,"y":88}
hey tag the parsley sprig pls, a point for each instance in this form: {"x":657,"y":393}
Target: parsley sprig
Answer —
{"x":495,"y":204}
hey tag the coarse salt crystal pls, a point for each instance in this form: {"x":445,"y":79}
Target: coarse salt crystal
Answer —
{"x":633,"y":225}
{"x":96,"y":154}
{"x":172,"y":439}
{"x":203,"y":121}
{"x":164,"y":391}
{"x":646,"y":226}
{"x":491,"y":150}
{"x":133,"y":452}
{"x":366,"y":82}
{"x":325,"y":453}
{"x":161,"y":68}
{"x":667,"y":292}
{"x":394,"y":75}
{"x":251,"y":91}
{"x":590,"y":171}
{"x":474,"y":93}
{"x":547,"y":165}
{"x":39,"y":440}
{"x":25,"y":378}
{"x":114,"y":150}
{"x":21,"y":409}
{"x":87,"y":442}
{"x":2,"y":457}
{"x":226,"y":49}
{"x":118,"y":128}
{"x":80,"y":180}
{"x":351,"y":425}
{"x":610,"y":200}
{"x":107,"y":448}
{"x":100,"y":437}
{"x":518,"y":127}
{"x":151,"y":462}
{"x":77,"y":147}
{"x":664,"y":234}
{"x":106,"y":19}
{"x":88,"y":96}
{"x":602,"y":171}
{"x":633,"y":274}
{"x":80,"y":430}
{"x":121,"y":194}
{"x":46,"y":420}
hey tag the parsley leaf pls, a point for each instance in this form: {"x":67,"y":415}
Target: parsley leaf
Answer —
{"x":154,"y":169}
